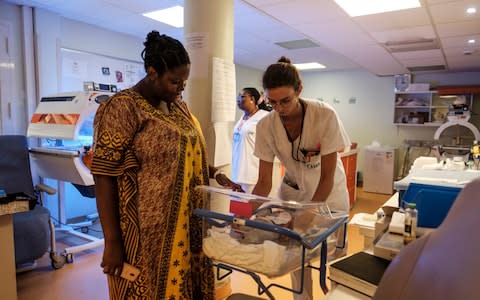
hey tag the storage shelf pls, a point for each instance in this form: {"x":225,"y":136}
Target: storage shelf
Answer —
{"x":429,"y":124}
{"x":404,"y":106}
{"x":430,"y":109}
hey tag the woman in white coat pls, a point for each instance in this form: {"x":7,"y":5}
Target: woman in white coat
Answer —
{"x":305,"y":135}
{"x":244,"y":163}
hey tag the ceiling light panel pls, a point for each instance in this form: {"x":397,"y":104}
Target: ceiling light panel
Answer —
{"x":471,"y":10}
{"x":309,"y":66}
{"x":172,"y":16}
{"x":357,"y":8}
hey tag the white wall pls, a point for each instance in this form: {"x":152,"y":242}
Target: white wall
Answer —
{"x":12,"y":77}
{"x":54,"y":32}
{"x":246,"y":77}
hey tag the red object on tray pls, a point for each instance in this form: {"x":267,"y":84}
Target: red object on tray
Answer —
{"x":241,"y":209}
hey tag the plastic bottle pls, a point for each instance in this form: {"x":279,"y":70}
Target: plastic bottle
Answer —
{"x":475,"y":154}
{"x":410,"y":229}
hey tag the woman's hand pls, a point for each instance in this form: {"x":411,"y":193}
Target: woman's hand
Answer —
{"x":224,"y":181}
{"x":113,"y":258}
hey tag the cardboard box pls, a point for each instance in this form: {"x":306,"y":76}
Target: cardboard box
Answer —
{"x":388,"y":245}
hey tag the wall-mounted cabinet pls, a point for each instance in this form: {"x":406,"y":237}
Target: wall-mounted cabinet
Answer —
{"x":455,"y":105}
{"x":414,"y":108}
{"x":429,"y":108}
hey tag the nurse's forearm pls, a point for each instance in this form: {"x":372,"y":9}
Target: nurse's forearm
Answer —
{"x":325,"y":184}
{"x":262,"y":189}
{"x":264,"y":182}
{"x":324,"y":188}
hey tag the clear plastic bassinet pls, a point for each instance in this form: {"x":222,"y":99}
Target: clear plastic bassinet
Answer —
{"x":255,"y":234}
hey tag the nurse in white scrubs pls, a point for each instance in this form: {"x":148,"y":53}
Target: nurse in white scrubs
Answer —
{"x":244,"y":163}
{"x":305,"y":135}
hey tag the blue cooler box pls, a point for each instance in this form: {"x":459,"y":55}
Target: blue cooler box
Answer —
{"x":433,"y":202}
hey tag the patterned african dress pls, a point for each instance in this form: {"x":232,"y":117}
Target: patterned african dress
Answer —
{"x":158,"y":158}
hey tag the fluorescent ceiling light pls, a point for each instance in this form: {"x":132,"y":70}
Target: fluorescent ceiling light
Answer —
{"x":172,"y":16}
{"x":471,"y":10}
{"x":369,"y":7}
{"x":472,"y":41}
{"x":309,"y":66}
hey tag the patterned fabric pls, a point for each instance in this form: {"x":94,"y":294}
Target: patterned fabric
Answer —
{"x":158,"y":158}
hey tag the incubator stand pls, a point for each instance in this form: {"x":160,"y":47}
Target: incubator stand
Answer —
{"x":253,"y":234}
{"x":64,"y":124}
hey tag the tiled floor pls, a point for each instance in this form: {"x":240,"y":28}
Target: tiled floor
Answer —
{"x":83,"y":279}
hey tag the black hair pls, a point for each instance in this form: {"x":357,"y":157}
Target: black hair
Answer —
{"x":163,"y":53}
{"x":253,"y":92}
{"x":281,"y":73}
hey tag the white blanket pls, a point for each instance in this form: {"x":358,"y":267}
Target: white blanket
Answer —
{"x":268,"y":258}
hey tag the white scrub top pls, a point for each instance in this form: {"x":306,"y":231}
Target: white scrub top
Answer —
{"x":244,"y":163}
{"x":322,"y":133}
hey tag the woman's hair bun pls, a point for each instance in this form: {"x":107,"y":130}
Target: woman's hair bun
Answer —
{"x":284,"y":59}
{"x":152,"y":37}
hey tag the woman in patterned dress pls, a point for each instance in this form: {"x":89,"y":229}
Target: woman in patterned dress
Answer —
{"x":149,"y":154}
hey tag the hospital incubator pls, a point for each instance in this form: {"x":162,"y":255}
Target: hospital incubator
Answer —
{"x":63,"y":122}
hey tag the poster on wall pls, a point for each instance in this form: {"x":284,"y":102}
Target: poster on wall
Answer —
{"x":197,"y":46}
{"x":223,"y":90}
{"x":79,"y":66}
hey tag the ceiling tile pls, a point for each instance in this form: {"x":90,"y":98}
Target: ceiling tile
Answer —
{"x":374,"y":58}
{"x":466,"y":63}
{"x":307,"y":11}
{"x":458,"y":28}
{"x":264,"y":3}
{"x":460,"y":41}
{"x":393,"y":20}
{"x":460,"y":51}
{"x":144,"y":6}
{"x":418,"y":54}
{"x":438,"y":1}
{"x":454,"y":11}
{"x":321,"y":55}
{"x":404,"y":34}
{"x":423,"y":61}
{"x":339,"y":33}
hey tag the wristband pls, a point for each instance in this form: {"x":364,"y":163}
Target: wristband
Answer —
{"x":217,"y":172}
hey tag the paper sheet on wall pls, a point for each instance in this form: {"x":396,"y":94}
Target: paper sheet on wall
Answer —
{"x":196,"y":44}
{"x":79,"y":66}
{"x":74,"y":68}
{"x":223,"y":91}
{"x":223,"y":143}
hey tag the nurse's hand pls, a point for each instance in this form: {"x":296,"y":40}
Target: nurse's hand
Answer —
{"x":224,"y":181}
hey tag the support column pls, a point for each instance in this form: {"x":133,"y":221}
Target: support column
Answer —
{"x":208,"y":33}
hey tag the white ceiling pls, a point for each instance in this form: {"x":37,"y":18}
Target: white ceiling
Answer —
{"x":344,"y":42}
